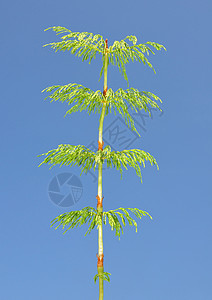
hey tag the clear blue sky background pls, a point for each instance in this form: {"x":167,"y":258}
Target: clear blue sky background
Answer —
{"x":170,"y":256}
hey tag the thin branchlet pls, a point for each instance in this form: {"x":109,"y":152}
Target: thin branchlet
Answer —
{"x":81,"y":98}
{"x":116,"y":218}
{"x":69,"y":155}
{"x":87,"y":45}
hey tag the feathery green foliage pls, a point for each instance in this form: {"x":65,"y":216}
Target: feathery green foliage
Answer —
{"x":104,"y":275}
{"x":82,"y":44}
{"x":120,"y":53}
{"x":114,"y":222}
{"x":83,"y":98}
{"x":94,"y":219}
{"x":70,"y":155}
{"x":135,"y":158}
{"x":117,"y":101}
{"x":87,"y":45}
{"x":86,"y":159}
{"x":77,"y":218}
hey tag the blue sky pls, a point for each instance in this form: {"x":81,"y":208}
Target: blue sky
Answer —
{"x":170,"y":256}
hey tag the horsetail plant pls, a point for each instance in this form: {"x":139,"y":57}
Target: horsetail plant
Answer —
{"x":86,"y":45}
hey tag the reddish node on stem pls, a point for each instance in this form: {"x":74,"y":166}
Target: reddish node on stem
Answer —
{"x":105,"y":91}
{"x":100,"y":145}
{"x":99,"y":201}
{"x":106,"y":43}
{"x":100,"y":260}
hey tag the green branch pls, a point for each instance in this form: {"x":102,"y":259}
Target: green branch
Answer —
{"x":135,"y":158}
{"x":118,"y":101}
{"x":86,"y":159}
{"x":104,"y":276}
{"x":115,"y":223}
{"x":82,"y":98}
{"x":82,"y":44}
{"x":120,"y":53}
{"x":77,"y":218}
{"x":116,"y":219}
{"x":87,"y":45}
{"x":70,"y":155}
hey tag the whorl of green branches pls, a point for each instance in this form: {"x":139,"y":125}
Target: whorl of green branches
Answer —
{"x":82,"y":44}
{"x":114,"y":222}
{"x":135,"y":158}
{"x":77,"y":218}
{"x":116,"y":219}
{"x":104,"y":275}
{"x":120,"y":53}
{"x":137,"y":100}
{"x":86,"y":45}
{"x":70,"y":155}
{"x":86,"y":159}
{"x":83,"y":98}
{"x":80,"y":97}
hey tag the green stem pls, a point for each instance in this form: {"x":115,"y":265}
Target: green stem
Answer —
{"x":100,"y":267}
{"x":101,"y":287}
{"x":101,"y":122}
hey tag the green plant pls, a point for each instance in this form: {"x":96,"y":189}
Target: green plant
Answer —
{"x":87,"y":45}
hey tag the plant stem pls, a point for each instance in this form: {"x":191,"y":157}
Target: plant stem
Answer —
{"x":100,"y":256}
